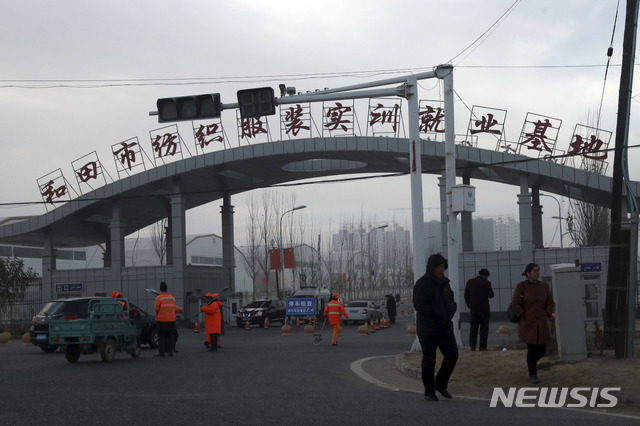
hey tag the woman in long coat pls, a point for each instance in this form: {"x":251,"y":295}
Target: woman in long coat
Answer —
{"x":212,"y":320}
{"x":533,"y":303}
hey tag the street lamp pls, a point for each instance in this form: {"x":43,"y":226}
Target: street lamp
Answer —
{"x":559,"y":217}
{"x":369,"y":243}
{"x":281,"y":249}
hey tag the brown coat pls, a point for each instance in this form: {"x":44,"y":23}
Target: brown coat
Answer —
{"x":534,"y":308}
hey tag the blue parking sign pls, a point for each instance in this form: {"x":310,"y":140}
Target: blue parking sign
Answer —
{"x":301,"y":306}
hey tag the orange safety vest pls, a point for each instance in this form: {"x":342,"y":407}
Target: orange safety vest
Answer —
{"x":212,"y":317}
{"x":165,"y":308}
{"x":333,"y":310}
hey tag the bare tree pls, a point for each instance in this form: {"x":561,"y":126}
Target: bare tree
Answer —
{"x":253,"y":243}
{"x":159,"y":239}
{"x":267,"y":235}
{"x":588,"y":224}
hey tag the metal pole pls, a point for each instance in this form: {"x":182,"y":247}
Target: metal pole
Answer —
{"x":415,"y":154}
{"x":282,"y":250}
{"x":453,"y":242}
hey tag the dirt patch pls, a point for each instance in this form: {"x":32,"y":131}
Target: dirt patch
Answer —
{"x":477,"y":373}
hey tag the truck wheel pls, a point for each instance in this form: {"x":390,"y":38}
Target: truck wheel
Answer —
{"x":109,"y":352}
{"x":72,"y":353}
{"x":136,"y":352}
{"x":153,"y":338}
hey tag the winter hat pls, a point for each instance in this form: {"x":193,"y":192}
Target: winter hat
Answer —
{"x":484,"y":272}
{"x":435,"y":260}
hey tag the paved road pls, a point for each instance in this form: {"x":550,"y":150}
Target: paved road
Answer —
{"x":259,"y":377}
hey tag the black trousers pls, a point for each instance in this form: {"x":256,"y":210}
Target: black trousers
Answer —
{"x":166,"y":336}
{"x":449,"y":349}
{"x":534,"y":353}
{"x":479,"y":319}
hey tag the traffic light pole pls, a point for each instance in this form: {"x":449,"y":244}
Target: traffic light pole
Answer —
{"x":408,"y":89}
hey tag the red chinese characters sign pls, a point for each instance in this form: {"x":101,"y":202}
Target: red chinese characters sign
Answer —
{"x":539,"y":133}
{"x":384,"y":117}
{"x":207,"y":134}
{"x":127,"y":155}
{"x":338,"y":118}
{"x":295,"y":121}
{"x":52,"y":187}
{"x":166,"y":143}
{"x":88,"y":169}
{"x":431,"y":116}
{"x":253,"y":128}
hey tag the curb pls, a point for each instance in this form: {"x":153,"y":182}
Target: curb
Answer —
{"x":410,"y":363}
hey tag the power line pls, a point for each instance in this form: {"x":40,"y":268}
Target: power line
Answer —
{"x":190,"y":81}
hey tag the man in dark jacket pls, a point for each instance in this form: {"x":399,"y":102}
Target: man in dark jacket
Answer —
{"x":391,"y":309}
{"x":476,"y":295}
{"x":435,"y":307}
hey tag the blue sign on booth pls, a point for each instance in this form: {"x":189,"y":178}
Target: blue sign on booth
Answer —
{"x":591,"y":267}
{"x":301,"y":306}
{"x":71,"y":287}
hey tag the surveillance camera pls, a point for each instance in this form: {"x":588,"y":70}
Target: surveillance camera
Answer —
{"x":283,"y":90}
{"x":291,"y":91}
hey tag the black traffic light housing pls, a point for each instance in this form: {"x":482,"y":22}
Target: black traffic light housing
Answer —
{"x":257,"y":102}
{"x":186,"y":108}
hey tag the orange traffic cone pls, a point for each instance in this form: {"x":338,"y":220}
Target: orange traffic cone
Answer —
{"x":247,"y":326}
{"x":372,"y":327}
{"x":196,"y":329}
{"x":377,"y":324}
{"x":297,"y":321}
{"x":266,"y":322}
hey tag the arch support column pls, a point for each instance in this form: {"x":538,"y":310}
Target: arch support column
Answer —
{"x":526,"y":222}
{"x":48,"y":266}
{"x":228,"y":242}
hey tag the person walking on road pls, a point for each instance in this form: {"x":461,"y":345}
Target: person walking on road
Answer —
{"x":334,"y":311}
{"x":477,"y":293}
{"x":533,"y":303}
{"x":166,"y":309}
{"x":212,"y":321}
{"x":391,"y":309}
{"x":435,"y":306}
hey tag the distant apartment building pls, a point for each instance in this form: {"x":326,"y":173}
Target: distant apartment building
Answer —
{"x":506,"y":233}
{"x":489,"y":234}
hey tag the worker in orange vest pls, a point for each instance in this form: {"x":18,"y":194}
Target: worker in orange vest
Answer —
{"x":212,"y":320}
{"x":115,"y":294}
{"x":166,"y":309}
{"x":334,"y":310}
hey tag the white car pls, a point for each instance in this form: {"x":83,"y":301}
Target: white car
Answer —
{"x":362,"y":310}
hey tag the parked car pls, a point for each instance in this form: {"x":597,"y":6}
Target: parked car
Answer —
{"x":257,"y":311}
{"x":77,"y":307}
{"x":362,"y":310}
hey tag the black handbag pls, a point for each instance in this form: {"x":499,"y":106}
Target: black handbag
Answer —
{"x":511,"y":315}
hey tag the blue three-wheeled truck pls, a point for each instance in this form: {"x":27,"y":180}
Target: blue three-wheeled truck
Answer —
{"x":108,"y":329}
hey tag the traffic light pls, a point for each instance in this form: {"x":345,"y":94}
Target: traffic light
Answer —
{"x":256,"y":102}
{"x":185,"y":108}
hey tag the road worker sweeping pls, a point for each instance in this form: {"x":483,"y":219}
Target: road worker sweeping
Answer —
{"x":334,"y":310}
{"x":212,"y":320}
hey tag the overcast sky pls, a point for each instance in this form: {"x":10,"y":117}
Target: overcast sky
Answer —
{"x":78,"y":76}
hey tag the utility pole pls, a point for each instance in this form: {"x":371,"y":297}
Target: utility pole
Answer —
{"x":616,"y":320}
